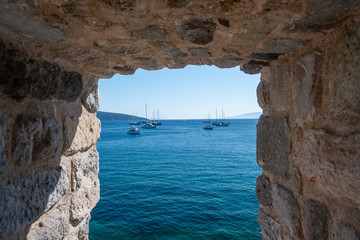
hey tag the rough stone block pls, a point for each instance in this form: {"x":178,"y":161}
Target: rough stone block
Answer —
{"x":200,"y":52}
{"x":23,"y":78}
{"x":24,"y":198}
{"x":273,"y":145}
{"x":323,"y":14}
{"x":36,"y":139}
{"x":263,"y":190}
{"x":333,"y":162}
{"x":86,"y":194}
{"x":53,"y":225}
{"x":91,"y":100}
{"x":286,"y":208}
{"x":198,"y":31}
{"x":253,"y":66}
{"x":3,"y":127}
{"x":307,"y":90}
{"x":265,"y":56}
{"x":172,"y":51}
{"x":271,"y":229}
{"x":76,"y":174}
{"x":283,"y":45}
{"x":177,"y":3}
{"x":87,"y":132}
{"x":317,"y":218}
{"x":345,"y":231}
{"x":152,"y":32}
{"x":345,"y":84}
{"x":13,"y":15}
{"x":24,"y":130}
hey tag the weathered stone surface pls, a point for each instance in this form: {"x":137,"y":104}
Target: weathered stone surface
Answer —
{"x":198,"y":31}
{"x":37,"y":140}
{"x":91,"y":99}
{"x":84,"y":229}
{"x":86,"y":186}
{"x":24,"y":198}
{"x":323,"y":14}
{"x":3,"y":127}
{"x":278,"y":90}
{"x":265,"y":56}
{"x":13,"y":16}
{"x":62,"y":39}
{"x":345,"y":231}
{"x":172,"y":51}
{"x":253,"y":66}
{"x":333,"y":163}
{"x":152,"y":32}
{"x":273,"y":145}
{"x":345,"y":85}
{"x":87,"y":132}
{"x":53,"y":225}
{"x":263,"y":190}
{"x":271,"y":229}
{"x":304,"y":83}
{"x":25,"y":78}
{"x":200,"y":52}
{"x":225,"y":22}
{"x":317,"y":219}
{"x":286,"y":208}
{"x":177,"y":3}
{"x":283,"y":45}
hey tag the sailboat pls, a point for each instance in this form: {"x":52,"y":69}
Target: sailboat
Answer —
{"x":222,"y":123}
{"x":207,"y":120}
{"x":156,"y":122}
{"x":147,"y":125}
{"x":208,"y":127}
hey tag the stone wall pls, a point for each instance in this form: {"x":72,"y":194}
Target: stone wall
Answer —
{"x":48,"y":157}
{"x":308,"y":142}
{"x":52,"y":52}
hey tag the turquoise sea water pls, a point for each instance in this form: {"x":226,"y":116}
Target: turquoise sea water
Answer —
{"x":177,"y":181}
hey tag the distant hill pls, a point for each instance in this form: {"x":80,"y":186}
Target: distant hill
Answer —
{"x":108,"y":116}
{"x":254,"y":115}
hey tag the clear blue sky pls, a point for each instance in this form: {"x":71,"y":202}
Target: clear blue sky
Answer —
{"x":189,"y":93}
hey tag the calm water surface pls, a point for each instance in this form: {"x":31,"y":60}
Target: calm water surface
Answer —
{"x":177,"y":181}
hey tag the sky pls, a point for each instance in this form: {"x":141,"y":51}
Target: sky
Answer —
{"x":190,"y":93}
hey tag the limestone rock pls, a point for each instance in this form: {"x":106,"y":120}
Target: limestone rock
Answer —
{"x":305,"y":77}
{"x":25,"y":78}
{"x":286,"y":208}
{"x":24,"y":198}
{"x":253,"y":66}
{"x":86,"y":186}
{"x":87,"y":132}
{"x":317,"y":218}
{"x":263,"y":190}
{"x":322,"y":159}
{"x":3,"y":127}
{"x":13,"y":15}
{"x":283,"y":45}
{"x":54,"y":225}
{"x":38,"y":140}
{"x":200,"y":52}
{"x":273,"y":145}
{"x":345,"y":231}
{"x":198,"y":31}
{"x":91,"y":100}
{"x":271,"y":229}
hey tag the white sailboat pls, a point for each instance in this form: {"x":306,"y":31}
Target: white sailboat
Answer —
{"x":147,"y":125}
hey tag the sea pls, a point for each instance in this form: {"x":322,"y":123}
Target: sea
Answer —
{"x":177,"y":181}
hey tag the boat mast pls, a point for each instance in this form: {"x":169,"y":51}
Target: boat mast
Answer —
{"x":146,"y":111}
